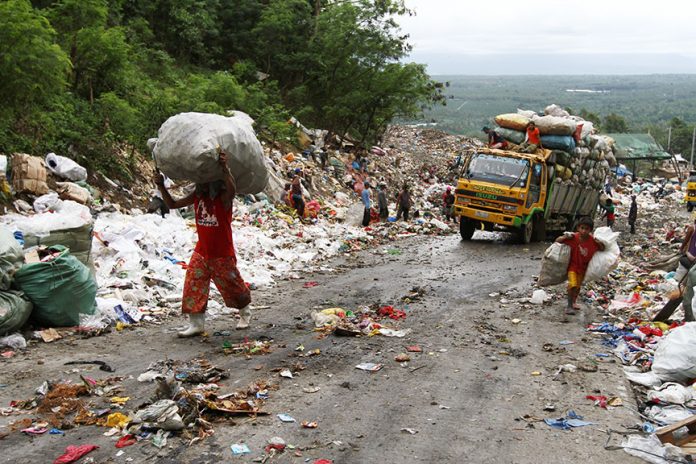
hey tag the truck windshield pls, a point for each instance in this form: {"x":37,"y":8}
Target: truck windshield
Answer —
{"x":498,"y":169}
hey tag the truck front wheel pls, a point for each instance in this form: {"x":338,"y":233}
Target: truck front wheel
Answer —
{"x":466,"y":228}
{"x":539,"y":228}
{"x":689,"y":206}
{"x":526,"y":232}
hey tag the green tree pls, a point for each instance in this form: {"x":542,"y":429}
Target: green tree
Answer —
{"x":355,"y":82}
{"x":613,"y":123}
{"x":590,"y":116}
{"x":33,"y":68}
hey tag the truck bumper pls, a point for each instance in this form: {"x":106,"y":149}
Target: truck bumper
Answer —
{"x":501,"y":219}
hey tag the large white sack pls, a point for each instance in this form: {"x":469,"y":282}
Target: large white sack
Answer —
{"x":187,"y":149}
{"x":554,"y":125}
{"x":555,"y":110}
{"x":554,"y":266}
{"x":603,"y":262}
{"x":65,"y":168}
{"x":675,"y":356}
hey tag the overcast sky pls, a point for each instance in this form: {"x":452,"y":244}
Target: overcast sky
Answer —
{"x":553,"y":36}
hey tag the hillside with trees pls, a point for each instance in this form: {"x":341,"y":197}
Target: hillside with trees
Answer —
{"x":648,"y":103}
{"x":94,"y":79}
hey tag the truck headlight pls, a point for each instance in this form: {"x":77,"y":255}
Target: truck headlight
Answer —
{"x":463,"y":201}
{"x":510,"y":208}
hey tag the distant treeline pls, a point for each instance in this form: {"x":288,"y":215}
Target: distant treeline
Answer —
{"x":92,"y":78}
{"x":650,"y":103}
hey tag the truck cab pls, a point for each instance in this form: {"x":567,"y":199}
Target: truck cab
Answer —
{"x":505,"y":190}
{"x":520,"y":193}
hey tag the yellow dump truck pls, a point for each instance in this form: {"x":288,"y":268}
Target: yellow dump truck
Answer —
{"x":519,"y":193}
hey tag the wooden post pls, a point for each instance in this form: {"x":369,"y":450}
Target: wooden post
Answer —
{"x":693,"y":139}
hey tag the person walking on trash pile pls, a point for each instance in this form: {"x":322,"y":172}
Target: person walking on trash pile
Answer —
{"x":633,"y":214}
{"x":608,"y":208}
{"x":403,"y":203}
{"x":157,"y":203}
{"x":495,"y":140}
{"x":366,"y":201}
{"x":582,"y":247}
{"x":382,"y":202}
{"x":688,"y":251}
{"x":214,"y":257}
{"x":448,"y":204}
{"x":296,"y":189}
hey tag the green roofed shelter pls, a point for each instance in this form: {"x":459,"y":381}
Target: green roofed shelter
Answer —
{"x":638,"y":147}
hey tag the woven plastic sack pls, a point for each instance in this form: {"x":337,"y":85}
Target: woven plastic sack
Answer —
{"x":559,"y":142}
{"x":188,"y":143}
{"x":512,"y":121}
{"x":603,"y":262}
{"x":11,"y":257}
{"x":511,"y":135}
{"x":65,"y":168}
{"x":14,"y":312}
{"x":552,"y":125}
{"x":675,"y":356}
{"x":554,"y":265}
{"x":60,"y":289}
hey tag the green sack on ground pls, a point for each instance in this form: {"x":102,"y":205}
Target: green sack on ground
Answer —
{"x":11,"y":257}
{"x":60,"y":290}
{"x":14,"y":312}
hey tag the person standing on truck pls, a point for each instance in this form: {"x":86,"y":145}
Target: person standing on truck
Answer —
{"x":582,"y":247}
{"x":214,"y":257}
{"x":633,"y":214}
{"x":495,"y":140}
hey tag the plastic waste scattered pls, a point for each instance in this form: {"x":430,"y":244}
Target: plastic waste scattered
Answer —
{"x":286,"y":418}
{"x":539,"y":297}
{"x":650,"y":449}
{"x":675,"y":356}
{"x":164,"y":414}
{"x":671,"y":392}
{"x":14,"y":341}
{"x":370,"y":367}
{"x":240,"y":448}
{"x":571,"y":420}
{"x":73,"y":453}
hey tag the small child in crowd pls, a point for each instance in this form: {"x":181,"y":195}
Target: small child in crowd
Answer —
{"x":582,"y":247}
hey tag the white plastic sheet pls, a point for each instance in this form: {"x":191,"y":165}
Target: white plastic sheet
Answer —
{"x":675,"y":356}
{"x":65,"y":168}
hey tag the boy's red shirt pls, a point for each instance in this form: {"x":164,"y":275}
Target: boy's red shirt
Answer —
{"x":581,"y":253}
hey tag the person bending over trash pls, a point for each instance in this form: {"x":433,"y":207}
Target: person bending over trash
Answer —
{"x":214,"y":256}
{"x":582,"y":247}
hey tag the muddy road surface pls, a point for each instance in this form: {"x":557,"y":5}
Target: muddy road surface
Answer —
{"x":478,"y":392}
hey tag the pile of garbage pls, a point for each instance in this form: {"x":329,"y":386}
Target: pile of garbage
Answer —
{"x":582,"y":157}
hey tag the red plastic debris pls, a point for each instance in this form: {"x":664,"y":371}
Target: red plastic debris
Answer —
{"x":414,"y":349}
{"x":73,"y":453}
{"x":274,"y":446}
{"x":600,"y":400}
{"x":323,"y":461}
{"x":126,"y":440}
{"x":391,"y":313}
{"x":310,"y":284}
{"x":647,"y":330}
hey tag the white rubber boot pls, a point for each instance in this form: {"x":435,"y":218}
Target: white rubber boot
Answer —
{"x":196,"y":325}
{"x":244,"y":318}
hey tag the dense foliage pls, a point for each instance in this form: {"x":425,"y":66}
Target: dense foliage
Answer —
{"x":91,"y":78}
{"x":650,"y":103}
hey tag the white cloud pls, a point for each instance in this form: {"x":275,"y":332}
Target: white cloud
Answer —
{"x":464,"y":27}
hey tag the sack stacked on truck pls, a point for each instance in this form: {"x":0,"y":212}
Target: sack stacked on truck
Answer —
{"x":14,"y":308}
{"x":188,"y":144}
{"x":582,"y":158}
{"x":28,"y":174}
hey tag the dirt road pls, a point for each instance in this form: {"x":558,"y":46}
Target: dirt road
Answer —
{"x":470,"y":396}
